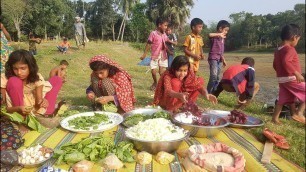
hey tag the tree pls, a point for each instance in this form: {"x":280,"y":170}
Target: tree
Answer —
{"x":17,"y":15}
{"x":177,"y":11}
{"x":125,"y":6}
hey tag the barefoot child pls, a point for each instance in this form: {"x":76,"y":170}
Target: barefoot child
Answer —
{"x":179,"y":85}
{"x":60,"y":70}
{"x":193,"y":44}
{"x":288,"y":71}
{"x":157,"y":40}
{"x":110,"y":83}
{"x":215,"y":57}
{"x":25,"y":90}
{"x":32,"y":44}
{"x":241,"y":80}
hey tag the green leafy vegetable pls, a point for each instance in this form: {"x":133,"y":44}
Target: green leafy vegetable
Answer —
{"x":68,"y":113}
{"x":161,"y":114}
{"x":109,"y":107}
{"x":93,"y":149}
{"x":86,"y":122}
{"x":135,"y":119}
{"x":15,"y":117}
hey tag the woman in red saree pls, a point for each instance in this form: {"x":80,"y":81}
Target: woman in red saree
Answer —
{"x":179,"y":85}
{"x":110,"y":83}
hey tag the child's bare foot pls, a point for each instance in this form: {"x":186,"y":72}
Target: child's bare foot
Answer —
{"x":276,"y":121}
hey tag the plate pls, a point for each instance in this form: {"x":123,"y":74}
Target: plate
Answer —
{"x":251,"y":121}
{"x":37,"y":164}
{"x":145,"y":111}
{"x":114,"y":117}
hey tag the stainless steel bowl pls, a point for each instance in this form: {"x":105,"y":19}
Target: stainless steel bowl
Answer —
{"x":186,"y":122}
{"x":154,"y":147}
{"x":145,"y":111}
{"x":38,"y":164}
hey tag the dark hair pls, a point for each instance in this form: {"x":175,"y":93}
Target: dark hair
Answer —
{"x":98,"y":65}
{"x":178,"y":62}
{"x":289,"y":31}
{"x":248,"y":61}
{"x":160,"y":20}
{"x":25,"y":57}
{"x":64,"y":62}
{"x":222,"y":24}
{"x":65,"y":39}
{"x":196,"y":21}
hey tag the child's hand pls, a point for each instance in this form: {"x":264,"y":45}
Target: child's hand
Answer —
{"x":43,"y":104}
{"x":90,"y":96}
{"x":24,"y":110}
{"x":104,"y":100}
{"x":202,"y":56}
{"x":183,"y":97}
{"x":300,"y":78}
{"x":212,"y":98}
{"x":197,"y":57}
{"x":143,"y":56}
{"x":224,"y":62}
{"x":222,"y":35}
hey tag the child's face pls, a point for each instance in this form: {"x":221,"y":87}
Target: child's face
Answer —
{"x":197,"y":28}
{"x":63,"y":67}
{"x":182,"y":72}
{"x":223,"y":30}
{"x":21,"y":70}
{"x":168,"y":31}
{"x":101,"y":74}
{"x":163,"y":27}
{"x":295,"y":40}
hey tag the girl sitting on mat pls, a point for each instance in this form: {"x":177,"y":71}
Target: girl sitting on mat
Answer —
{"x":24,"y":90}
{"x":110,"y":83}
{"x":179,"y":85}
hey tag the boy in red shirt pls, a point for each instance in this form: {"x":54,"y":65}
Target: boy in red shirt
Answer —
{"x":240,"y":79}
{"x":63,"y":47}
{"x":288,"y":71}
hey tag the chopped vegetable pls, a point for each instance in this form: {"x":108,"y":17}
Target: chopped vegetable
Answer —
{"x":135,"y":119}
{"x":161,"y":114}
{"x":109,"y":107}
{"x":86,"y":122}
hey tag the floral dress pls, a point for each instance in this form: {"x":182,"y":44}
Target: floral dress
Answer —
{"x":6,"y":50}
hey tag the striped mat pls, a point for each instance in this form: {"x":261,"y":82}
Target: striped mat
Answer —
{"x":237,"y":138}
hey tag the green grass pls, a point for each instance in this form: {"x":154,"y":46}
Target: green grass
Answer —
{"x":78,"y":79}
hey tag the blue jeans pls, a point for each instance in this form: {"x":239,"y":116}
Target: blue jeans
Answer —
{"x":170,"y":60}
{"x":62,"y":49}
{"x":214,"y":78}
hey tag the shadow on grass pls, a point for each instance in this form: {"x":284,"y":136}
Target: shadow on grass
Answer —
{"x":143,"y":100}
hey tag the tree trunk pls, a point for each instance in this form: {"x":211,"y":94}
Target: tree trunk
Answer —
{"x":260,"y":42}
{"x":121,"y":27}
{"x":17,"y":26}
{"x":137,"y":35}
{"x":113,"y":29}
{"x":266,"y":44}
{"x":46,"y":35}
{"x":102,"y":33}
{"x":248,"y":44}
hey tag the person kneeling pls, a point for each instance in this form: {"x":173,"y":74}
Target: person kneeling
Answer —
{"x":179,"y":85}
{"x":240,"y":79}
{"x":110,"y":84}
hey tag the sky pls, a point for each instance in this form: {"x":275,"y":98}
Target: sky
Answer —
{"x":211,"y":11}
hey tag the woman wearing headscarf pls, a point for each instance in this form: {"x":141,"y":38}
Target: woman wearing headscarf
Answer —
{"x":110,"y":84}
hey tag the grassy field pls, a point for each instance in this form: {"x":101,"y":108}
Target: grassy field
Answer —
{"x":78,"y":79}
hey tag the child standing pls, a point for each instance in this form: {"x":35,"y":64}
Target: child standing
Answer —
{"x":171,"y":42}
{"x":288,"y":71}
{"x":157,"y":40}
{"x":32,"y":44}
{"x":193,"y":44}
{"x":25,"y":89}
{"x":63,"y":47}
{"x":215,"y":57}
{"x":110,"y":83}
{"x":60,"y":70}
{"x":179,"y":85}
{"x":240,"y":79}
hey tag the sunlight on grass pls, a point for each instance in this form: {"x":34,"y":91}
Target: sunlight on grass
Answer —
{"x":78,"y":80}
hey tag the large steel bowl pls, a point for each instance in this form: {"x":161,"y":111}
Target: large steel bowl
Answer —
{"x":185,"y":121}
{"x":154,"y":147}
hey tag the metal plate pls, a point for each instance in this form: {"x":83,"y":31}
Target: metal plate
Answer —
{"x":251,"y":121}
{"x":114,"y":117}
{"x":37,"y":164}
{"x":145,"y":111}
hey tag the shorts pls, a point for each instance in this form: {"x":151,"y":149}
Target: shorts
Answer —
{"x":159,"y":62}
{"x":290,"y":91}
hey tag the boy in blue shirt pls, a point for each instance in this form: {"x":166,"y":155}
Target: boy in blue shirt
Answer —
{"x":215,"y":57}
